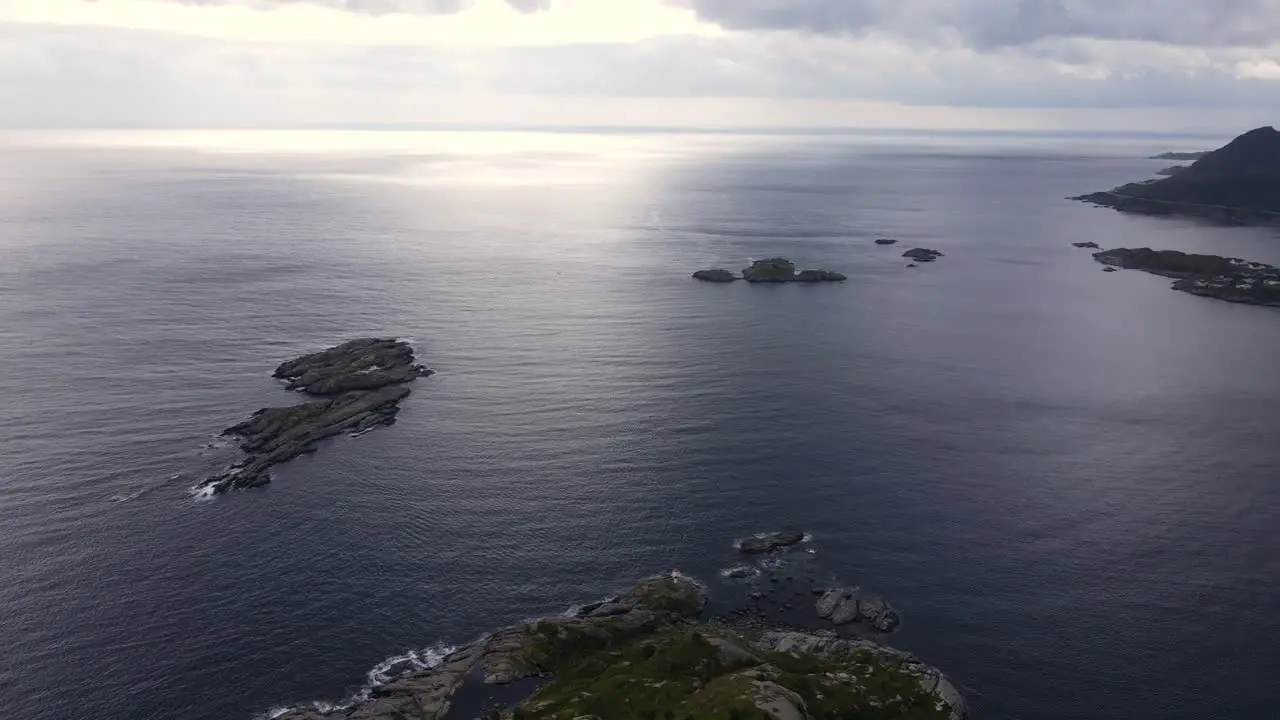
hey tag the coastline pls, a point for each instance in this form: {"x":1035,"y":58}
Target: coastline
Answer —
{"x":587,"y":663}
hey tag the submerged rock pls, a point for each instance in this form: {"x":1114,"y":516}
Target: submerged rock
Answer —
{"x":768,"y":542}
{"x":922,"y":254}
{"x":361,"y":383}
{"x":1109,"y":269}
{"x":770,"y":270}
{"x":1089,"y":244}
{"x":718,"y":275}
{"x":886,"y":241}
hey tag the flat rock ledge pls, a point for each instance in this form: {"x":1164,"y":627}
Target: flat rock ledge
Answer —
{"x":719,"y":275}
{"x":1222,"y":278}
{"x":647,"y":654}
{"x":761,"y":543}
{"x":922,"y":254}
{"x":360,"y":383}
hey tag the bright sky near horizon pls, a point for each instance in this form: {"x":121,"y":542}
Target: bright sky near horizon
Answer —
{"x":1168,"y":65}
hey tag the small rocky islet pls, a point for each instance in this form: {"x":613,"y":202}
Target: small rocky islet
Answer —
{"x":360,"y":384}
{"x":922,"y":254}
{"x":1223,"y":278}
{"x":770,"y":270}
{"x":651,"y":652}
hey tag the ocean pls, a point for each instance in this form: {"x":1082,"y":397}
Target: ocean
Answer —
{"x":1065,"y":479}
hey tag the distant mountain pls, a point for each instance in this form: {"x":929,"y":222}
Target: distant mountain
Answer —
{"x":1239,"y":182}
{"x":1181,"y":155}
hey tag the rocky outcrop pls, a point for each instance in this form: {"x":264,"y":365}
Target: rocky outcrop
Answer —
{"x":1109,"y":269}
{"x":1237,"y":183}
{"x":718,"y":275}
{"x":922,"y":254}
{"x":768,"y":542}
{"x":810,"y":276}
{"x":1171,"y":170}
{"x":770,"y":270}
{"x":843,"y":606}
{"x":832,"y":647}
{"x":1222,"y":278}
{"x":364,"y":364}
{"x":1087,"y":244}
{"x":361,"y":384}
{"x":650,"y":656}
{"x":886,"y":241}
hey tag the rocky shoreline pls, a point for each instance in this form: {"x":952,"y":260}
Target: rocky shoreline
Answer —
{"x":794,"y":650}
{"x":1231,"y":279}
{"x":361,"y":383}
{"x":647,"y":653}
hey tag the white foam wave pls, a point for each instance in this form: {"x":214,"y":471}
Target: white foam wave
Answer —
{"x":139,"y":492}
{"x":125,"y":497}
{"x":397,"y":665}
{"x":216,"y":442}
{"x":381,"y":674}
{"x":203,"y":492}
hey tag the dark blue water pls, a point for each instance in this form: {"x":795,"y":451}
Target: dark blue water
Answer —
{"x":1065,"y":479}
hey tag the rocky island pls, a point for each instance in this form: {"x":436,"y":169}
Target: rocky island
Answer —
{"x":648,"y":654}
{"x":1230,"y":279}
{"x":770,"y":270}
{"x":1237,"y":183}
{"x":922,"y":254}
{"x":360,"y":383}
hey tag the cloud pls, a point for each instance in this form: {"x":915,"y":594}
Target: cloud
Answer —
{"x":247,"y":62}
{"x":376,"y":7}
{"x":987,"y":24}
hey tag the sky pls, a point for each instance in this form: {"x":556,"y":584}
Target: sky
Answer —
{"x":1112,"y":65}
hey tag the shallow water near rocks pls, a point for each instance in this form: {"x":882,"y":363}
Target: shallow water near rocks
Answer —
{"x":1062,"y":478}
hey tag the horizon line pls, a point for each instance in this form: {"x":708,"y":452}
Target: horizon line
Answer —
{"x":833,"y":130}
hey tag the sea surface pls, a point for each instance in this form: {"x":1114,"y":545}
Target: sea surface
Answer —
{"x":1065,"y":479}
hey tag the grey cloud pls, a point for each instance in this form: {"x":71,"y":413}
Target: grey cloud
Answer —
{"x":377,"y":7}
{"x":986,"y":24}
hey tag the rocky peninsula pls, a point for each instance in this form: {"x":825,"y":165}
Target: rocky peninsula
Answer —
{"x":770,"y":270}
{"x":1196,"y":155}
{"x":1237,"y":183}
{"x":360,"y":383}
{"x":649,"y":653}
{"x":1223,"y":278}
